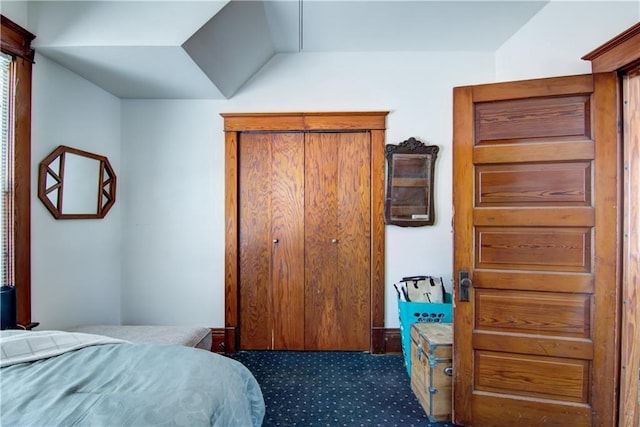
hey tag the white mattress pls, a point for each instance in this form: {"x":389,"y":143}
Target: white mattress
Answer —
{"x":189,"y":336}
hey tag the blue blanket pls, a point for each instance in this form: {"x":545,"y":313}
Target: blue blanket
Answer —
{"x":125,"y":384}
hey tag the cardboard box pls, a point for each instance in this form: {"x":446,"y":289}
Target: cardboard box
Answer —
{"x":431,"y":368}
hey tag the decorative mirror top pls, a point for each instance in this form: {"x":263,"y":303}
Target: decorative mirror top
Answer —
{"x":410,"y":173}
{"x":76,"y":184}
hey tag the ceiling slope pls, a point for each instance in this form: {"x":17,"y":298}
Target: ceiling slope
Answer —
{"x":233,"y":45}
{"x":132,"y":49}
{"x":206,"y":49}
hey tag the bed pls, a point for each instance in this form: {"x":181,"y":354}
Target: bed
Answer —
{"x":183,"y":335}
{"x":68,"y":378}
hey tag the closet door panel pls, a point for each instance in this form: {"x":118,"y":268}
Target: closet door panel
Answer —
{"x":322,"y":303}
{"x":337,"y":228}
{"x":287,"y":232}
{"x":254,"y":241}
{"x":271,"y":241}
{"x":354,"y":247}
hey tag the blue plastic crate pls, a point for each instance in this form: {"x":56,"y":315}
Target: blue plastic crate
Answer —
{"x":421,"y":312}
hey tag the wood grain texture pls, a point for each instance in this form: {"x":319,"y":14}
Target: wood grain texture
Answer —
{"x":22,"y":188}
{"x":564,"y":319}
{"x":622,"y":54}
{"x":431,"y":352}
{"x":272,"y":241}
{"x":331,"y":121}
{"x":231,"y":233}
{"x":531,"y":216}
{"x":529,"y":411}
{"x":562,"y":314}
{"x":378,"y":340}
{"x":619,"y":53}
{"x":552,"y":346}
{"x":534,"y":184}
{"x":540,"y":150}
{"x":606,"y":265}
{"x":630,"y":345}
{"x":548,"y":281}
{"x":255,"y":245}
{"x":552,"y":86}
{"x":463,"y":252}
{"x":16,"y":41}
{"x":546,"y":249}
{"x":287,"y":228}
{"x":235,"y":126}
{"x":431,"y":385}
{"x":556,"y":117}
{"x":337,"y":242}
{"x":532,"y":376}
{"x":105,"y":191}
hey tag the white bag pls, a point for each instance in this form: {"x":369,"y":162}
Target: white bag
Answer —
{"x":424,"y":289}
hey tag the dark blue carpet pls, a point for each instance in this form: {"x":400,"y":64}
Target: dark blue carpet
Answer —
{"x":335,"y":389}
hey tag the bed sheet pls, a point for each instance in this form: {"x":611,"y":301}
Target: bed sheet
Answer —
{"x":128,"y":384}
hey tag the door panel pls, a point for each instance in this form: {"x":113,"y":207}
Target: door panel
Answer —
{"x":535,"y":224}
{"x":532,"y":183}
{"x":511,"y":248}
{"x":511,"y":121}
{"x":271,"y":188}
{"x":254,"y":244}
{"x":287,"y":231}
{"x":338,"y":231}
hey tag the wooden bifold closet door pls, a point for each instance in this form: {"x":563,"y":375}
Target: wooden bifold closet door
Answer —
{"x":337,"y":251}
{"x":304,"y":241}
{"x":271,"y":236}
{"x":309,"y":250}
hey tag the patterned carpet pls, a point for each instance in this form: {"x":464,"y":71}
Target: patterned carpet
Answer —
{"x":335,"y":389}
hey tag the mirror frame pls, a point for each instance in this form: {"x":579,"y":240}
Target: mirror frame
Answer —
{"x":105,"y":188}
{"x":411,"y":147}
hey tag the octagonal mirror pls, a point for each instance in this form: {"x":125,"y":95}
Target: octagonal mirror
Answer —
{"x":76,"y":184}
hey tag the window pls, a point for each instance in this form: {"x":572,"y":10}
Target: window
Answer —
{"x":15,"y":208}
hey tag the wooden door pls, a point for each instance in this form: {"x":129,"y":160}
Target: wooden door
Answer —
{"x":536,"y":225}
{"x":271,"y":241}
{"x":337,"y":243}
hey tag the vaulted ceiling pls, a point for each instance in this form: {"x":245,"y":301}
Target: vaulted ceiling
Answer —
{"x":208,"y":49}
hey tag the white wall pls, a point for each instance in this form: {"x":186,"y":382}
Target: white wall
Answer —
{"x":172,"y":210}
{"x":17,"y":11}
{"x":75,"y":264}
{"x":173,"y":161}
{"x":554,"y":40}
{"x":158,"y":256}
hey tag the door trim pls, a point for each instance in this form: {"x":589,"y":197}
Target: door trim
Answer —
{"x":622,"y":54}
{"x":234,"y":124}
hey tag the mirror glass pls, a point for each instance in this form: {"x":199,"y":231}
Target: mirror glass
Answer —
{"x":81,"y":179}
{"x":409,"y":199}
{"x":76,"y":184}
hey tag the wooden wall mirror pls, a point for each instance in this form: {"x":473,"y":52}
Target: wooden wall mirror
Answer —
{"x":76,"y":184}
{"x":410,"y":170}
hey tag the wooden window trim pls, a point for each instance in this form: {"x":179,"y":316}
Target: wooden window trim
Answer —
{"x":16,"y":41}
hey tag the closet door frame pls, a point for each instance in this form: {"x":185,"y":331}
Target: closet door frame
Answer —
{"x":236,"y":123}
